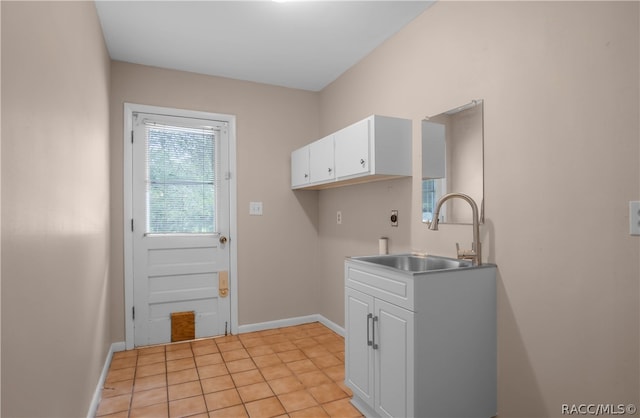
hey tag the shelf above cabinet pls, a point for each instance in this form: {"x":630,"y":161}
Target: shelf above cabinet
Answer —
{"x":375,"y":148}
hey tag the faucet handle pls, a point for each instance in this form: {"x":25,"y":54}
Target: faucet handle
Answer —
{"x":465,"y":254}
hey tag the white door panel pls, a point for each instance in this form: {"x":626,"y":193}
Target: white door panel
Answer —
{"x":394,"y":357}
{"x":359,"y":373}
{"x":178,"y":269}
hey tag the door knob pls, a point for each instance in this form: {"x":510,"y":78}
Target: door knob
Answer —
{"x":223,"y":239}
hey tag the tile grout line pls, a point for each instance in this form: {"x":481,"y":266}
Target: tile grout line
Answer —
{"x":288,"y":337}
{"x":199,"y":380}
{"x":265,"y":380}
{"x":133,"y":384}
{"x":166,"y":380}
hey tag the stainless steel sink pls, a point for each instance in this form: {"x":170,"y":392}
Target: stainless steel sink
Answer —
{"x":415,"y":263}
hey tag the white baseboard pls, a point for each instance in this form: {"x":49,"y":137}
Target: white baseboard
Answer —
{"x":288,"y":322}
{"x":95,"y":402}
{"x":331,"y":325}
{"x":119,"y":346}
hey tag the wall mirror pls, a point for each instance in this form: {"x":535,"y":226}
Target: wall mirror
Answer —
{"x":453,"y":161}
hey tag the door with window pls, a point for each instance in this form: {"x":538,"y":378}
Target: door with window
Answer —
{"x":180,"y":225}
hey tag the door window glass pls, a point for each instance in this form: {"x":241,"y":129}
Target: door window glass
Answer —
{"x":180,"y":180}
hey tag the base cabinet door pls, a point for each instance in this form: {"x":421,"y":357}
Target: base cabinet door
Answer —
{"x":394,"y":356}
{"x":358,"y":343}
{"x":379,"y":354}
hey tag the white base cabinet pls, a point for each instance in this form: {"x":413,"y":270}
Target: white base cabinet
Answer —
{"x":377,"y":366}
{"x":421,"y":345}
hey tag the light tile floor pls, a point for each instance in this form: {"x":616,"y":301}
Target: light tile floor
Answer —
{"x":286,"y":372}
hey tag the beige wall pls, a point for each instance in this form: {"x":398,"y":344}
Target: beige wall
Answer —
{"x":276,"y":251}
{"x":562,"y":152}
{"x":560,"y":84}
{"x":464,"y":161}
{"x":55,"y":207}
{"x":366,"y":210}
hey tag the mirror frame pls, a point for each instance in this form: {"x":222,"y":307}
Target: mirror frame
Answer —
{"x":435,"y":167}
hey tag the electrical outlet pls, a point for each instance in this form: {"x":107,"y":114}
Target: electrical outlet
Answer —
{"x":394,"y":218}
{"x":634,"y":218}
{"x":339,"y":217}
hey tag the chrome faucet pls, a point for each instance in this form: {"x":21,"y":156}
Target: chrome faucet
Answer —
{"x":475,"y":254}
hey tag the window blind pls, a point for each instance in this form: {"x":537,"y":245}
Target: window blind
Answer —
{"x":180,"y":180}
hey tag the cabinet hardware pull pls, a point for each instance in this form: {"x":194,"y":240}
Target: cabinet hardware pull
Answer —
{"x":330,"y":170}
{"x":369,"y":341}
{"x":375,"y":346}
{"x":362,"y":161}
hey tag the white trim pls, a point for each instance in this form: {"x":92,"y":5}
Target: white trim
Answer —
{"x":288,"y":322}
{"x":129,"y":108}
{"x":233,"y":225}
{"x":127,"y":190}
{"x":97,"y":395}
{"x":363,"y":407}
{"x":332,"y":325}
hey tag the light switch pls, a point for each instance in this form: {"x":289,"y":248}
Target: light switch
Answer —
{"x":255,"y":208}
{"x":634,"y":218}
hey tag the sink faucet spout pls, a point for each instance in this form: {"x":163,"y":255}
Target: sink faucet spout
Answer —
{"x":475,"y":254}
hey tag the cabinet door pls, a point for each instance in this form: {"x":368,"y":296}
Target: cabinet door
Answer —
{"x":352,"y":149}
{"x":394,"y":389}
{"x":358,"y":351}
{"x":321,"y":166}
{"x":300,"y":167}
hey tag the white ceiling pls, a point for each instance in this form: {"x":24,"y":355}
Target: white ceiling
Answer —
{"x":298,"y":44}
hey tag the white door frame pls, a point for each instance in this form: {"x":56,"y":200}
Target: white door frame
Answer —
{"x":129,"y":109}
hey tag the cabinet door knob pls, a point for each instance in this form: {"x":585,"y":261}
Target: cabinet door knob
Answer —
{"x":306,"y":175}
{"x":330,"y":170}
{"x":362,"y":161}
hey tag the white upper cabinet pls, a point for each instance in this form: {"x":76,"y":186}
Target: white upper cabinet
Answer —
{"x":352,"y":149}
{"x":300,"y":167}
{"x":376,"y":148}
{"x":321,"y":165}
